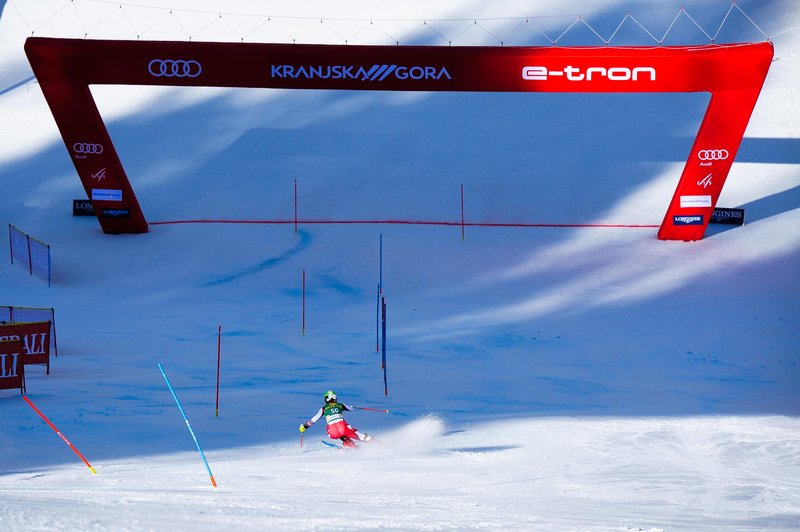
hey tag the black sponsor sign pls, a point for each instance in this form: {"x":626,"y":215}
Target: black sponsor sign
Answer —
{"x":727,"y":216}
{"x":82,"y":207}
{"x":116,"y":213}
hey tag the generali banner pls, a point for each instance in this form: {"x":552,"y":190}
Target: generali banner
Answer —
{"x":35,"y":338}
{"x":12,"y":374}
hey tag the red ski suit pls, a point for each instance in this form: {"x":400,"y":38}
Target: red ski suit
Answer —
{"x":338,"y":428}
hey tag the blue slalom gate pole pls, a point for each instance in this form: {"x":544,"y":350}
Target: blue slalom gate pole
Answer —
{"x":213,"y":482}
{"x":378,"y":320}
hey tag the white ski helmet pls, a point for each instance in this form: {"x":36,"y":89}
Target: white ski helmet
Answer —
{"x":330,"y":395}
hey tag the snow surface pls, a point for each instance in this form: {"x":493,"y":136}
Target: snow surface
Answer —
{"x":539,"y":378}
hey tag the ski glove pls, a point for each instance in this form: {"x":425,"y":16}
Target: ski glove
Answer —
{"x":303,"y":428}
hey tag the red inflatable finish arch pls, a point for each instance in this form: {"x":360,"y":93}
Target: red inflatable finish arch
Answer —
{"x":733,"y":74}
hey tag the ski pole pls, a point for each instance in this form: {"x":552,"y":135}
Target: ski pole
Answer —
{"x":213,"y":482}
{"x":371,"y":409}
{"x":59,"y":433}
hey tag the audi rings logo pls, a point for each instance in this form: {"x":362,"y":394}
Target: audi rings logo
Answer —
{"x":712,"y":155}
{"x":174,"y":68}
{"x":87,"y":148}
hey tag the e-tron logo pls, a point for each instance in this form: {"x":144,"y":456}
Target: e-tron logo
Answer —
{"x":174,"y":68}
{"x":87,"y":148}
{"x":571,"y":73}
{"x":712,"y":155}
{"x":359,"y":73}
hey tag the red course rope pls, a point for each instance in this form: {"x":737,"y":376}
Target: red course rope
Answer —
{"x":398,"y":222}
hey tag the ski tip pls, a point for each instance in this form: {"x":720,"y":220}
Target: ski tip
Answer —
{"x":329,"y":444}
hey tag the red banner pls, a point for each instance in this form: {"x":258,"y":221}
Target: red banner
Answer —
{"x":35,"y":338}
{"x":12,"y":370}
{"x":733,"y":74}
{"x":28,"y":314}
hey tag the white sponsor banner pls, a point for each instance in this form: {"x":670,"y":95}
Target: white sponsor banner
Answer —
{"x":19,"y":245}
{"x":695,"y":201}
{"x":106,"y":194}
{"x":40,"y":258}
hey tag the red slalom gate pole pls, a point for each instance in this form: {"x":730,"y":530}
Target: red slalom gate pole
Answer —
{"x":303,"y":327}
{"x":219,"y":353}
{"x":462,"y":212}
{"x":59,"y":434}
{"x":295,"y":206}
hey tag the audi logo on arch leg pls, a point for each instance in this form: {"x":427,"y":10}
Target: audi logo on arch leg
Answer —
{"x":174,"y":68}
{"x":712,"y":155}
{"x":87,"y":148}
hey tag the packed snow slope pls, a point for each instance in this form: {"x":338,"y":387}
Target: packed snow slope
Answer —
{"x":549,"y":378}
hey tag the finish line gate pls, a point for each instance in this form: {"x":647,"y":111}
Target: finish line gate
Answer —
{"x":733,"y":74}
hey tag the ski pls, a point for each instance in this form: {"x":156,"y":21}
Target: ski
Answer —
{"x":340,"y":447}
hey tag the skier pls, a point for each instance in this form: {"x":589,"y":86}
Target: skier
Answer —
{"x":338,"y":428}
